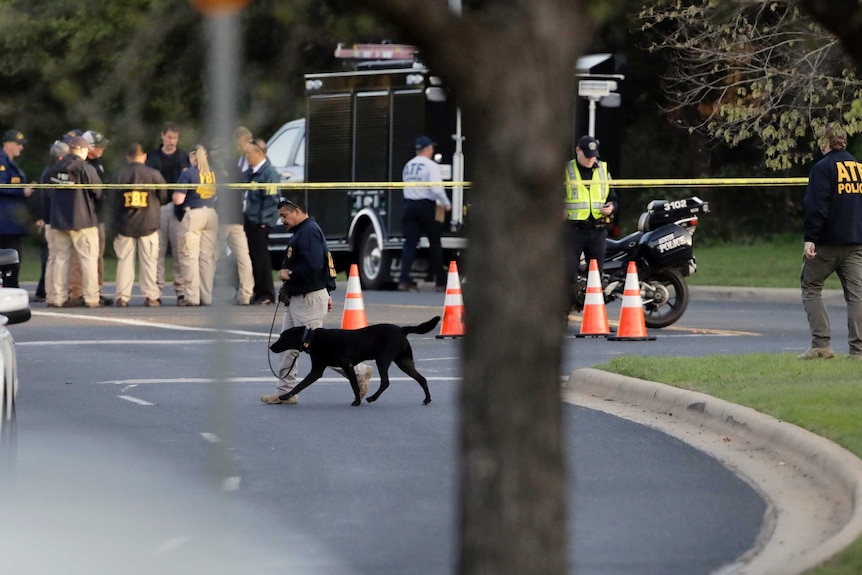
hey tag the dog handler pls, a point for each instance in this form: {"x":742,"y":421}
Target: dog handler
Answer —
{"x":305,"y":273}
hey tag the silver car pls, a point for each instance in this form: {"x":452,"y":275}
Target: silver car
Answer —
{"x":14,"y":308}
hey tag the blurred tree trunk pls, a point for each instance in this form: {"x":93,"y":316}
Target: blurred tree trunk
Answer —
{"x":511,"y":66}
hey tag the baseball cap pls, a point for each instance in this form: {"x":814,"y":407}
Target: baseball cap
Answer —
{"x":589,"y":146}
{"x":14,"y":136}
{"x":58,"y":149}
{"x":67,"y":137}
{"x":96,"y":139}
{"x":423,"y":142}
{"x":78,"y":142}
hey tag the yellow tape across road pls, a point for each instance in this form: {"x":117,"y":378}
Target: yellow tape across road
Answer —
{"x":622,"y":183}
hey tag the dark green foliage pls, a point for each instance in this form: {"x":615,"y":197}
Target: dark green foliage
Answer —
{"x":125,"y":67}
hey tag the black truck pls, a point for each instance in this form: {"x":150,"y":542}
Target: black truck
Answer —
{"x":350,"y":149}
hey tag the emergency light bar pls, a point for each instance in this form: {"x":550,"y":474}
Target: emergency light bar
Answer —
{"x":376,"y":52}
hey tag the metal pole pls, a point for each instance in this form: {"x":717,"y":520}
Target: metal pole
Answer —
{"x":457,"y":216}
{"x":592,"y":130}
{"x":223,"y":45}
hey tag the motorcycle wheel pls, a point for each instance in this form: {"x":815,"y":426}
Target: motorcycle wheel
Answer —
{"x":665,"y":313}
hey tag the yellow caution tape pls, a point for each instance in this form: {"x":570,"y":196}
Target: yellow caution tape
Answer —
{"x":621,"y":183}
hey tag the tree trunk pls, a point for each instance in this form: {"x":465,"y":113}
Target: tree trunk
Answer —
{"x":511,"y":67}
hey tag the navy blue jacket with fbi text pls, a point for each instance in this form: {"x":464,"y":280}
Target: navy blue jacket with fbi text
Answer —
{"x":833,"y":201}
{"x":306,"y":258}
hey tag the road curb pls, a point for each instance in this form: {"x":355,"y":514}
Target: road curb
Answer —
{"x":784,"y":295}
{"x":816,"y":461}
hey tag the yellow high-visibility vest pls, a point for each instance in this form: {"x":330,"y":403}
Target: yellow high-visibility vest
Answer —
{"x":582,"y":199}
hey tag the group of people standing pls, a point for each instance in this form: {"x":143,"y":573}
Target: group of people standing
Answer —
{"x":164,"y":199}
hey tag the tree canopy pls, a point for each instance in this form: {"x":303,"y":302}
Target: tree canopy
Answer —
{"x":753,"y":70}
{"x":125,"y":67}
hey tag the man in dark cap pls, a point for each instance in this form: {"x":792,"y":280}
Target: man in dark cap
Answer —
{"x":74,"y":223}
{"x":420,"y":207}
{"x":590,"y":203}
{"x":13,"y":200}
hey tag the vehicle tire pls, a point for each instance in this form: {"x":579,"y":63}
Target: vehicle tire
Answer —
{"x":374,"y":262}
{"x":667,"y":312}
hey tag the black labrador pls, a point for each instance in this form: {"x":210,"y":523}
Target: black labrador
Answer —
{"x":345,"y":348}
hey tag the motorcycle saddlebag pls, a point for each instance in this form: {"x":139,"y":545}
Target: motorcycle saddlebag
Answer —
{"x":668,"y":246}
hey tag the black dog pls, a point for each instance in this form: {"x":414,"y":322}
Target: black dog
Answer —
{"x":384,"y":343}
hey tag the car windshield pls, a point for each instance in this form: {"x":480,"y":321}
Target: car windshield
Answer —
{"x":282,"y":146}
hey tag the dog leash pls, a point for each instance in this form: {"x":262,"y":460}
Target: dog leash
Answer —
{"x":269,"y":343}
{"x":306,"y":343}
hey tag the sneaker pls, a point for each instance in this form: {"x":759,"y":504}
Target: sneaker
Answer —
{"x":363,"y":380}
{"x":74,"y":302}
{"x":817,"y":353}
{"x":122,"y":303}
{"x":152,"y":302}
{"x":99,"y":303}
{"x":405,"y":286}
{"x":273,"y":399}
{"x":106,"y":301}
{"x":185,"y":303}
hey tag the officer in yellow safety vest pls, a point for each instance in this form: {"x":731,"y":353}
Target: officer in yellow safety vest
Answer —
{"x":590,"y":204}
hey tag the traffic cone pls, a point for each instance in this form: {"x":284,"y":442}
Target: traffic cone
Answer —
{"x":595,"y":320}
{"x":632,"y":323}
{"x":354,"y":308}
{"x":453,"y":306}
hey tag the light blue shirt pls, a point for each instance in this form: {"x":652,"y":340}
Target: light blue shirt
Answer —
{"x":422,"y":169}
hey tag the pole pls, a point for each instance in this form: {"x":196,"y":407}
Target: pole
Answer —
{"x":457,"y":215}
{"x":592,"y":128}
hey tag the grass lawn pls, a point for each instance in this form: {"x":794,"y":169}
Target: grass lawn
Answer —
{"x":775,"y":264}
{"x":822,"y":396}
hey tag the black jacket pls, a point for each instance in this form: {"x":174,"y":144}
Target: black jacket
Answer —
{"x":138,"y":211}
{"x":72,"y":209}
{"x":306,"y":259}
{"x":170,"y":165}
{"x":833,"y":200}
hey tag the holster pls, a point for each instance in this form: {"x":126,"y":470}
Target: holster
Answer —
{"x":284,"y":295}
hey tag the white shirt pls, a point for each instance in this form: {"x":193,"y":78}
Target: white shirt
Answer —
{"x":422,"y":169}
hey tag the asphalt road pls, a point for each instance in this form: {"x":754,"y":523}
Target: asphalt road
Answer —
{"x":122,"y":406}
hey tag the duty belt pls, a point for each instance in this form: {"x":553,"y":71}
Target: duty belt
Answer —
{"x":588,"y":224}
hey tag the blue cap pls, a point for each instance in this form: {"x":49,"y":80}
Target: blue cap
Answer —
{"x":589,"y":146}
{"x":423,"y":142}
{"x":67,"y":137}
{"x":14,"y":136}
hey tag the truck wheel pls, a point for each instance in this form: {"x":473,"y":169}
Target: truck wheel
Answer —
{"x":374,"y":263}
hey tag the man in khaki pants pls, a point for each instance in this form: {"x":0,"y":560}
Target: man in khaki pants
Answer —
{"x":138,"y":212}
{"x":74,"y":223}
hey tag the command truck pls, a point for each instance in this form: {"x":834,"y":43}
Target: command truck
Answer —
{"x":359,"y":131}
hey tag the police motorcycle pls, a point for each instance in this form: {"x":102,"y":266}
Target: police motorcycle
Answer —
{"x":662,"y":251}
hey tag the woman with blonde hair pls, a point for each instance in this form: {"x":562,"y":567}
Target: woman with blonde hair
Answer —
{"x":198,"y":230}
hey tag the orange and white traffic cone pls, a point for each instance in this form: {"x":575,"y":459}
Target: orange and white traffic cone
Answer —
{"x":595,"y":320}
{"x":354,"y":308}
{"x":632,"y":322}
{"x":453,"y":306}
